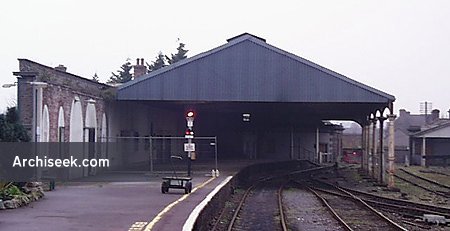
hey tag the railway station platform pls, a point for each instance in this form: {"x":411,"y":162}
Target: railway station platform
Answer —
{"x":127,"y":205}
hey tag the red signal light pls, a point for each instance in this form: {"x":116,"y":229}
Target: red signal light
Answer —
{"x":190,"y":114}
{"x":189,"y":132}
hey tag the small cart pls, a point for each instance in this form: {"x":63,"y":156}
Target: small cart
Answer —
{"x":176,"y":181}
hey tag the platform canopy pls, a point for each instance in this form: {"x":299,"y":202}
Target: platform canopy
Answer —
{"x":247,"y":70}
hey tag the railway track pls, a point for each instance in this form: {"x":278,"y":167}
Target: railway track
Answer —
{"x":263,"y":200}
{"x":352,"y":212}
{"x":261,"y":208}
{"x":424,"y":183}
{"x":406,"y":208}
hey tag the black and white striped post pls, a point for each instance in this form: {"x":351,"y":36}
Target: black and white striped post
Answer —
{"x":189,"y":147}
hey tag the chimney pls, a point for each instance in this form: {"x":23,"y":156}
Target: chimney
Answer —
{"x":404,"y":113}
{"x":434,"y":115}
{"x":139,"y":69}
{"x":61,"y":67}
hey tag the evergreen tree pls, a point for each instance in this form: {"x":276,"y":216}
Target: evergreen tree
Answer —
{"x":180,"y":55}
{"x":160,"y":62}
{"x":95,"y":78}
{"x":123,"y":75}
{"x":10,"y":129}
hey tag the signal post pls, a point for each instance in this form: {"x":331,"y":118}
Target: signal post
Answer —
{"x":189,"y":147}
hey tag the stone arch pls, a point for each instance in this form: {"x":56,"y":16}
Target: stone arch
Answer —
{"x":76,"y":121}
{"x":61,"y":124}
{"x":45,"y":127}
{"x":386,"y":112}
{"x":378,"y":113}
{"x":90,"y":121}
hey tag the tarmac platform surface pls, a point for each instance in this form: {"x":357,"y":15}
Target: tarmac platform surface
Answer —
{"x":113,"y":205}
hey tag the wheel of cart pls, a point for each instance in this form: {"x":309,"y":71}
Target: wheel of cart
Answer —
{"x":165,"y":186}
{"x":188,"y":187}
{"x":175,"y":181}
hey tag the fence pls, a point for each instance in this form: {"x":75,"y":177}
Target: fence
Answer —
{"x":154,"y":153}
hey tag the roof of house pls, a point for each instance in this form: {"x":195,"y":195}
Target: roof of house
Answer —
{"x":440,"y":129}
{"x":407,"y":121}
{"x":247,"y":69}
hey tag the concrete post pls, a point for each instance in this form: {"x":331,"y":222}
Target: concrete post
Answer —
{"x":34,"y":126}
{"x":424,"y":152}
{"x":37,"y":119}
{"x":413,"y":150}
{"x":391,"y":151}
{"x":292,"y":142}
{"x":407,"y":156}
{"x":317,"y":146}
{"x":38,"y":130}
{"x":37,"y":109}
{"x":363,"y":147}
{"x":381,"y":158}
{"x":369,"y":148}
{"x":374,"y":148}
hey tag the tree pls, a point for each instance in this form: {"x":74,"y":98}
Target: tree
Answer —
{"x":10,"y":128}
{"x":180,"y":55}
{"x":160,"y":62}
{"x":123,"y":75}
{"x":95,"y":78}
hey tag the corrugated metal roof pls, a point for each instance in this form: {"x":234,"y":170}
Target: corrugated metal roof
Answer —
{"x":247,"y":69}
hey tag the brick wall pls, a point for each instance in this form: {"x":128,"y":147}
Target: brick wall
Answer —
{"x":61,"y":91}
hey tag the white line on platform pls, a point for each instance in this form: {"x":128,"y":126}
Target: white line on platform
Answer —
{"x":168,"y":207}
{"x":189,"y":224}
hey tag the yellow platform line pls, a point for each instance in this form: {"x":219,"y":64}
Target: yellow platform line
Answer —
{"x":171,"y":205}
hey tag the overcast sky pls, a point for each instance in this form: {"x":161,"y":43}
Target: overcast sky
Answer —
{"x":399,"y":47}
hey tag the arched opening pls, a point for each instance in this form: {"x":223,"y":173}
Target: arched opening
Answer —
{"x":76,"y":121}
{"x":90,"y":122}
{"x":61,"y":124}
{"x":90,"y":132}
{"x":45,"y":128}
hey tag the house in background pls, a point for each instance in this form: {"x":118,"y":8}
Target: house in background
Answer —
{"x":432,"y":144}
{"x":414,"y":130}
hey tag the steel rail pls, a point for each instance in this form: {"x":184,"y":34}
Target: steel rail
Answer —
{"x":289,"y":174}
{"x":280,"y":207}
{"x":425,"y":179}
{"x":422,"y":187}
{"x":365,"y":204}
{"x":419,"y":206}
{"x":217,"y":221}
{"x":238,"y":209}
{"x":391,"y":222}
{"x":401,"y":209}
{"x":333,"y":212}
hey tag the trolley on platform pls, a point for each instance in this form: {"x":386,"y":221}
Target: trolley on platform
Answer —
{"x":175,"y":181}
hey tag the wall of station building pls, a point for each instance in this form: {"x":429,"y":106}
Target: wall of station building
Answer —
{"x":72,"y":107}
{"x":132,"y":123}
{"x":70,"y":104}
{"x":298,"y":145}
